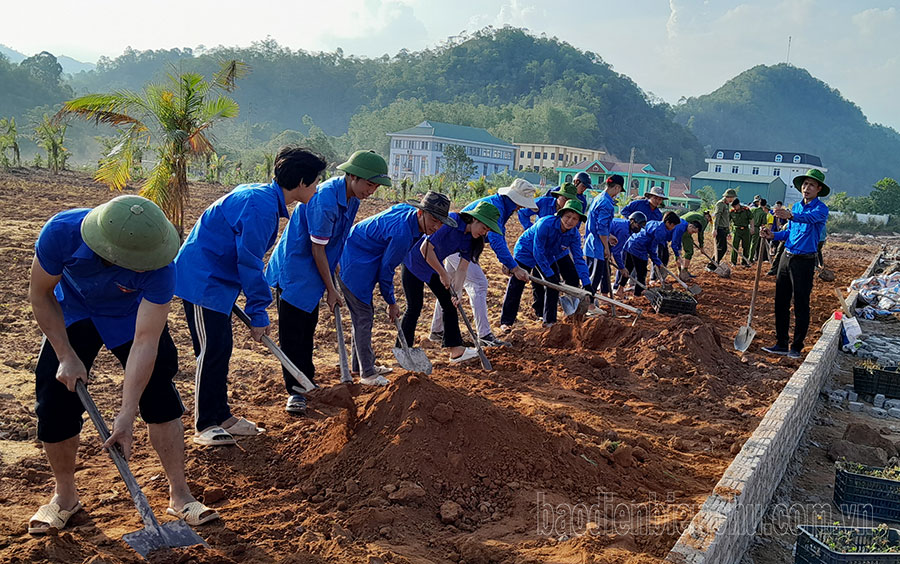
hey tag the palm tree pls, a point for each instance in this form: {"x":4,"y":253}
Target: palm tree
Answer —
{"x":9,"y":139}
{"x":51,"y":134}
{"x":173,"y":118}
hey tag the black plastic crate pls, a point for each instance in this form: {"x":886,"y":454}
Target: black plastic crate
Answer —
{"x":811,"y":550}
{"x":876,"y":381}
{"x":868,"y":496}
{"x":673,"y":306}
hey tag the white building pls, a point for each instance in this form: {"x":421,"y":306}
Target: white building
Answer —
{"x":538,"y":156}
{"x":785,"y":165}
{"x":419,"y":151}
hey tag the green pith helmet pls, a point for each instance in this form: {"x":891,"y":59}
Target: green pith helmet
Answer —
{"x":131,"y":232}
{"x":575,"y":206}
{"x":367,"y":165}
{"x":814,"y":174}
{"x":487,"y":214}
{"x":730,"y":193}
{"x":567,"y":190}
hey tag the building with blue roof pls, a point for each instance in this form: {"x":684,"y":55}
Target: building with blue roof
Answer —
{"x":731,"y":167}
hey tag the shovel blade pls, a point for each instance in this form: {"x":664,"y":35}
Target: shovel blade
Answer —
{"x":414,"y":361}
{"x":173,"y":534}
{"x":569,"y":304}
{"x":695,"y":289}
{"x":723,"y":270}
{"x":744,"y":337}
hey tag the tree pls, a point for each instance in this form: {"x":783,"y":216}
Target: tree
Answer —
{"x":9,"y":141}
{"x":549,"y":174}
{"x":458,"y":167}
{"x":174,"y":118}
{"x":51,"y":134}
{"x":886,"y":197}
{"x":707,"y":196}
{"x":478,"y":187}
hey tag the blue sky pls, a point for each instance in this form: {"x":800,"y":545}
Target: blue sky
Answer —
{"x":672,"y":48}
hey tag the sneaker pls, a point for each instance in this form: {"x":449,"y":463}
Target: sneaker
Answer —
{"x":379,"y":370}
{"x":436,"y":337}
{"x":296,"y":405}
{"x":794,"y":354}
{"x":490,"y":340}
{"x":771,"y":272}
{"x":377,"y":380}
{"x":776,"y":349}
{"x":467,"y":354}
{"x":547,"y":324}
{"x":711,"y":267}
{"x":505,"y":329}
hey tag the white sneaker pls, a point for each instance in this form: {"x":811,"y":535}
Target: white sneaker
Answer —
{"x":379,"y":370}
{"x":467,"y":354}
{"x":377,"y":380}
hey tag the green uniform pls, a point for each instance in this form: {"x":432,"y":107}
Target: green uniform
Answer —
{"x":740,"y":233}
{"x":687,"y":242}
{"x":759,"y":217}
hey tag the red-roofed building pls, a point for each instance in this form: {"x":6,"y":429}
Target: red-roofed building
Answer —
{"x":680,"y":195}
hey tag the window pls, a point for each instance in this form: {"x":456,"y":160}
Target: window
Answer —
{"x":718,"y":168}
{"x":755,"y":170}
{"x":720,"y":155}
{"x":778,"y":158}
{"x":537,"y":168}
{"x":735,"y":169}
{"x":796,"y":158}
{"x":521,"y":154}
{"x":545,"y":155}
{"x":776,"y":172}
{"x":552,"y":156}
{"x":737,"y":156}
{"x":520,"y":167}
{"x":652,"y":183}
{"x":529,"y":154}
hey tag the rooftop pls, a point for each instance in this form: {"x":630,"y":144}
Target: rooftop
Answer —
{"x":451,"y":131}
{"x":768,"y":156}
{"x":746,"y":178}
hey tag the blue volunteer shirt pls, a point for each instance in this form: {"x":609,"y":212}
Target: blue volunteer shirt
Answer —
{"x":544,"y":243}
{"x":325,"y":220}
{"x":374,"y":249}
{"x":581,"y":197}
{"x":645,"y":243}
{"x":621,"y":230}
{"x":224,"y":252}
{"x":642,"y":205}
{"x":497,"y":241}
{"x":804,"y":231}
{"x":446,"y":241}
{"x":89,"y":289}
{"x":546,"y":206}
{"x":677,"y":234}
{"x":600,"y":215}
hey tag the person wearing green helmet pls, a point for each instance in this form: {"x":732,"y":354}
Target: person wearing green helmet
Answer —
{"x":105,"y":277}
{"x":549,"y":204}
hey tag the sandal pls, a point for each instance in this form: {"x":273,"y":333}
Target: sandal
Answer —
{"x":214,"y":436}
{"x":53,"y":516}
{"x":191,"y":513}
{"x":244,"y":428}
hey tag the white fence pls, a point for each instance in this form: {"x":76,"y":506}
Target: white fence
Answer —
{"x":880,"y":219}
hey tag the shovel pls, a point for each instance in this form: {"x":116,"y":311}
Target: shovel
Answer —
{"x":153,"y":536}
{"x":410,"y":358}
{"x":694,"y":289}
{"x":485,"y":363}
{"x":346,"y":377}
{"x":746,"y":333}
{"x":305,"y":384}
{"x":722,"y":269}
{"x":574,"y":302}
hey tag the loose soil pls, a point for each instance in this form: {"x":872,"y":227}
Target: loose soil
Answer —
{"x":462,"y":466}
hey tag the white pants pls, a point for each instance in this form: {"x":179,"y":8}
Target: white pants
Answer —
{"x":476,"y":287}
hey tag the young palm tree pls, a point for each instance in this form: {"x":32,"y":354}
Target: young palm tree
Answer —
{"x":9,"y":139}
{"x":51,"y":135}
{"x":173,"y":118}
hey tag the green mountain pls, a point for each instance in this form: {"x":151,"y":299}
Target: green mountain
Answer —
{"x":784,"y":108}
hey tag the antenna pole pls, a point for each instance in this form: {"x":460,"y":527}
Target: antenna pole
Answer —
{"x":789,"y":51}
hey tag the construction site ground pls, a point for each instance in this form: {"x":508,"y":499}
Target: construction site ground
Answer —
{"x":589,"y":442}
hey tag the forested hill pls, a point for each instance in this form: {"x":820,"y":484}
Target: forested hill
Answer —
{"x":784,"y":108}
{"x":521,"y":87}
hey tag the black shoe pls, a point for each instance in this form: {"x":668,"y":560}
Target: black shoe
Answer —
{"x":296,"y":405}
{"x":771,"y":272}
{"x":794,"y":354}
{"x":711,"y":267}
{"x":776,"y":349}
{"x":490,"y":340}
{"x":436,"y":337}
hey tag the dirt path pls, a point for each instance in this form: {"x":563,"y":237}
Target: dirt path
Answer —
{"x":637,"y":421}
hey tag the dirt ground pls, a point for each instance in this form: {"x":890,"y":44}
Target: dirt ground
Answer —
{"x":590,"y":442}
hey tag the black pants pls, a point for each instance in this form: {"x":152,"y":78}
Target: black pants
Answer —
{"x":545,"y":300}
{"x":721,"y":243}
{"x":819,"y":256}
{"x":779,"y":251}
{"x":636,"y":267}
{"x":794,"y":280}
{"x":59,"y":411}
{"x":213,"y":341}
{"x":296,"y":329}
{"x":414,"y":290}
{"x":662,"y":251}
{"x":599,"y":275}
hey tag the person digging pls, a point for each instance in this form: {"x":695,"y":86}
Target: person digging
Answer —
{"x":740,"y":235}
{"x":105,"y":277}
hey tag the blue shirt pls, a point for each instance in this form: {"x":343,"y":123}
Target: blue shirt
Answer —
{"x":544,"y":243}
{"x":446,"y":241}
{"x":677,"y":234}
{"x":621,"y":229}
{"x":374,"y":249}
{"x":89,"y":289}
{"x":804,"y":231}
{"x":600,"y":215}
{"x":224,"y":252}
{"x":646,"y":242}
{"x":496,"y":240}
{"x":581,"y":197}
{"x":325,"y":220}
{"x":642,"y":205}
{"x":546,"y":206}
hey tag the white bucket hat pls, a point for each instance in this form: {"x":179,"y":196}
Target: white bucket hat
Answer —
{"x":521,"y":192}
{"x":656,"y":191}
